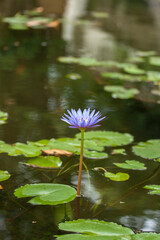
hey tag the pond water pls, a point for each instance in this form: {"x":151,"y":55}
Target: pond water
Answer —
{"x":35,"y":92}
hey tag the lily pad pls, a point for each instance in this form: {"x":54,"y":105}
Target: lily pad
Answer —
{"x":145,"y":53}
{"x":154,"y":61}
{"x":121,"y":92}
{"x":73,"y":76}
{"x":91,"y":237}
{"x":99,"y":14}
{"x":108,"y":138}
{"x":95,"y":155}
{"x":149,"y":149}
{"x":154,"y":189}
{"x":131,"y":164}
{"x":146,"y":236}
{"x":153,"y":76}
{"x":3,"y":117}
{"x":134,"y":70}
{"x":18,"y":22}
{"x":117,"y":177}
{"x":95,"y":227}
{"x":46,"y":193}
{"x":121,"y":76}
{"x":119,"y":151}
{"x":4,"y":175}
{"x":44,"y":162}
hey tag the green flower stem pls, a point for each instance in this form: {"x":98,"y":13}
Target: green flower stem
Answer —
{"x":80,"y":163}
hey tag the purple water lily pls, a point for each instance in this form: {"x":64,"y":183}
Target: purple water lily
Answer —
{"x":82,"y":120}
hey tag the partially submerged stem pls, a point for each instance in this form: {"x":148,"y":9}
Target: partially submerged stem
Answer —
{"x":80,"y":163}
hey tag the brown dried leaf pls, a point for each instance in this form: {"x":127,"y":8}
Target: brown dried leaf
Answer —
{"x":1,"y":187}
{"x":56,"y":152}
{"x":53,"y":24}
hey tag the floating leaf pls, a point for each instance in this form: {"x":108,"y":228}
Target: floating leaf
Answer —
{"x":119,"y":151}
{"x":91,"y":237}
{"x":18,"y":22}
{"x":95,"y":227}
{"x":73,"y":76}
{"x":99,"y":14}
{"x":68,"y":59}
{"x":149,"y":149}
{"x":95,"y":155}
{"x":131,"y":164}
{"x":145,"y":53}
{"x":44,"y":162}
{"x":46,"y":193}
{"x":121,"y":92}
{"x":108,"y":138}
{"x":4,"y":175}
{"x":57,"y":152}
{"x":117,"y":177}
{"x":136,"y":59}
{"x":134,"y":70}
{"x":154,"y":61}
{"x":121,"y":76}
{"x":3,"y":117}
{"x":153,"y":76}
{"x":27,"y":150}
{"x":154,"y":189}
{"x":146,"y":236}
{"x":1,"y":187}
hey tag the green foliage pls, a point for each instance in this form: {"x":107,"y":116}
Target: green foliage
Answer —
{"x":149,"y":149}
{"x":44,"y":162}
{"x":46,"y":193}
{"x":117,"y":177}
{"x":134,"y":70}
{"x":121,"y":76}
{"x":154,"y":61}
{"x":154,"y":189}
{"x":73,"y":76}
{"x":131,"y":164}
{"x":3,"y":117}
{"x":18,"y":22}
{"x":4,"y":175}
{"x":121,"y":92}
{"x":108,"y":138}
{"x":95,"y":227}
{"x":119,"y":151}
{"x":95,"y":155}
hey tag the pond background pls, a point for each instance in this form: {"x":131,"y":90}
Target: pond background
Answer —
{"x":35,"y":92}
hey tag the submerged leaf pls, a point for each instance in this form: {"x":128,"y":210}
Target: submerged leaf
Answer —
{"x":154,"y":189}
{"x":4,"y":175}
{"x":119,"y":151}
{"x":117,"y":177}
{"x":134,"y":70}
{"x":131,"y":164}
{"x":149,"y":149}
{"x":46,"y":193}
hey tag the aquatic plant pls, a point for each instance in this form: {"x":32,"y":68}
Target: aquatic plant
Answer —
{"x":82,"y":121}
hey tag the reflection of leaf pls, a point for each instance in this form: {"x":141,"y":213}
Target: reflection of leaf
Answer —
{"x":154,"y":189}
{"x":149,"y":149}
{"x":121,"y":92}
{"x":108,"y":138}
{"x":131,"y":164}
{"x":117,"y":177}
{"x":46,"y":193}
{"x":57,"y":152}
{"x":44,"y":162}
{"x":4,"y":175}
{"x":95,"y":155}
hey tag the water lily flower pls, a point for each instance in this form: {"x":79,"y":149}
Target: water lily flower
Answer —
{"x":82,"y":120}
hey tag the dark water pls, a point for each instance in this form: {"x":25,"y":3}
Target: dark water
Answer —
{"x":35,"y":93}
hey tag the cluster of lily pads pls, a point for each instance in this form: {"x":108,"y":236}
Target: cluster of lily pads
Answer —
{"x":95,"y":146}
{"x":138,"y":68}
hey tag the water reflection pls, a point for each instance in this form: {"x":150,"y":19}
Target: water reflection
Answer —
{"x":148,"y":221}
